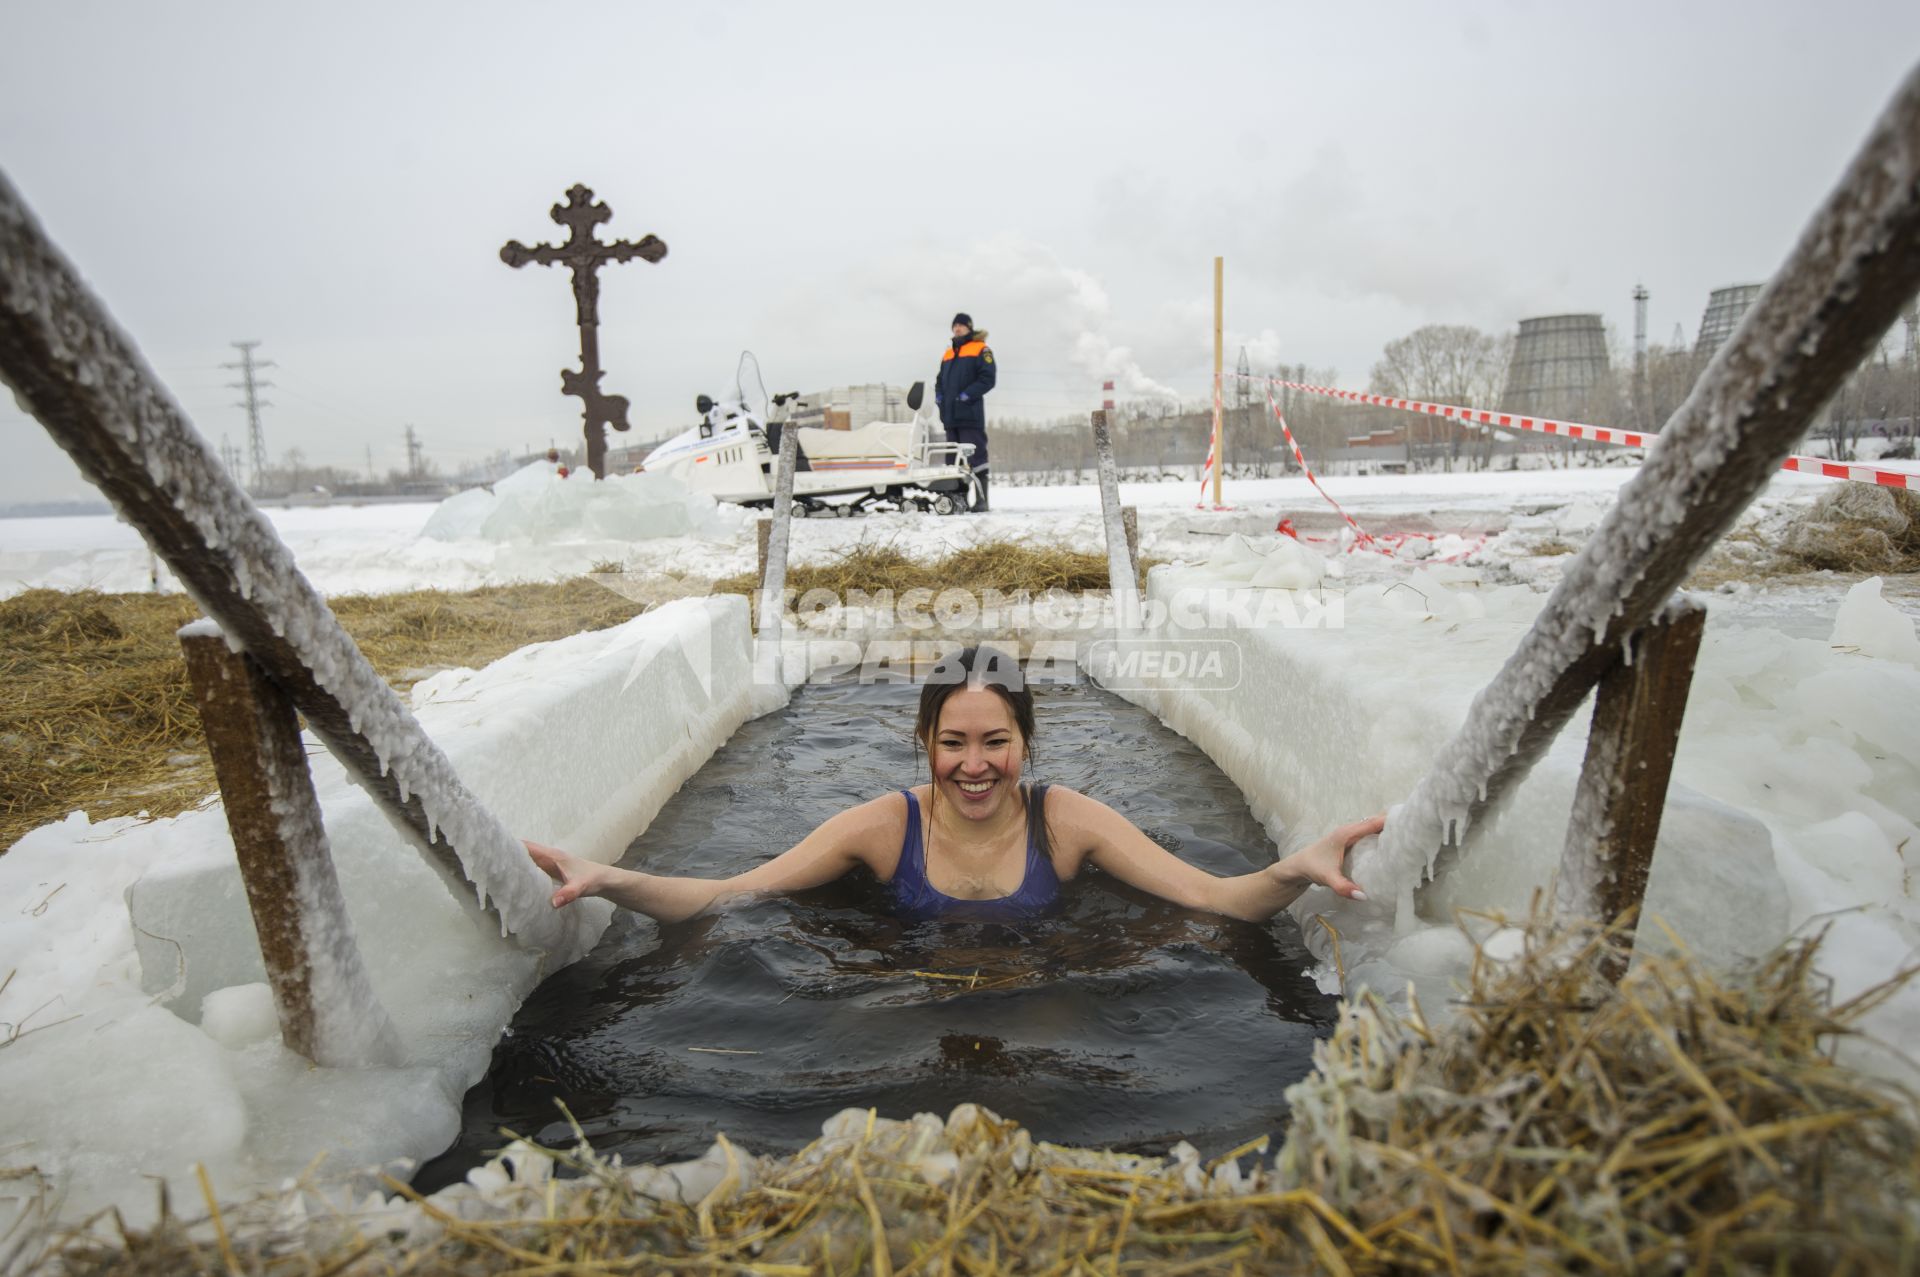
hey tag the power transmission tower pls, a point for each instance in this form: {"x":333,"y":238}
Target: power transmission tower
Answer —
{"x":1642,"y":396}
{"x":256,"y":441}
{"x":413,"y":455}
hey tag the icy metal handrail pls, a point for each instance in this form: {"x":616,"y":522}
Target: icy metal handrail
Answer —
{"x":72,"y":368}
{"x":1842,"y":286}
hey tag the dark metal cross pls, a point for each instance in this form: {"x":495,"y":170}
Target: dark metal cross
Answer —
{"x":585,"y":255}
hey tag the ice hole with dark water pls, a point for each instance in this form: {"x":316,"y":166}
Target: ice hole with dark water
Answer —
{"x":1121,"y":1021}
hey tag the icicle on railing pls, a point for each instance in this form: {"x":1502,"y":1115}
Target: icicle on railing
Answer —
{"x":70,"y":366}
{"x":1123,"y":573}
{"x":1844,"y":283}
{"x":322,"y":994}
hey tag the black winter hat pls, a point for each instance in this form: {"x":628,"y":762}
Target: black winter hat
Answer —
{"x":962,"y":318}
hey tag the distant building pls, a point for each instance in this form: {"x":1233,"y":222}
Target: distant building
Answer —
{"x":1559,"y":368}
{"x":1726,"y":307}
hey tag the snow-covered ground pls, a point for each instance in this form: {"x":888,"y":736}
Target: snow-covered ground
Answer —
{"x":131,"y":1011}
{"x":1795,"y":799}
{"x":137,"y":1034}
{"x":381,"y":549}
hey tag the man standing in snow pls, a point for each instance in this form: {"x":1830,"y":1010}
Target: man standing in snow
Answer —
{"x":966,"y":375}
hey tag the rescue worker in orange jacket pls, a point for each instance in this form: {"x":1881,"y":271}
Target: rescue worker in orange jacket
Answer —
{"x":966,"y":375}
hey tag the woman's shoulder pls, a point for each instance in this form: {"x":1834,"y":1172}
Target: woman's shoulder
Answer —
{"x":870,"y":823}
{"x":1078,"y":818}
{"x":870,"y":832}
{"x":1062,"y":800}
{"x":888,"y":808}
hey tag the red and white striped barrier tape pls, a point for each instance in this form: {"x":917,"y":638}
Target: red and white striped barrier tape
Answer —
{"x":1578,"y":430}
{"x":1360,"y":534}
{"x":1206,"y":471}
{"x":1386,"y":543}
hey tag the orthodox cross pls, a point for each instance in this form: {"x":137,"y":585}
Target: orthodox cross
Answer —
{"x":584,"y":255}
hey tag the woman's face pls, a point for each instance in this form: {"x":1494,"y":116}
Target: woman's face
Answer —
{"x":977,"y":752}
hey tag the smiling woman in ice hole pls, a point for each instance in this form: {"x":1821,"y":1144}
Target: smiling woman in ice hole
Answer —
{"x":974,"y":843}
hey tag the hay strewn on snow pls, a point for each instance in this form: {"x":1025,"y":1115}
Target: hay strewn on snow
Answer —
{"x":1006,"y":566}
{"x":1559,"y":1124}
{"x":96,"y":713}
{"x":1858,"y":527}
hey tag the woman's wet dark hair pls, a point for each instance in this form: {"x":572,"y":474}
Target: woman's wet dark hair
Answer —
{"x":985,"y":667}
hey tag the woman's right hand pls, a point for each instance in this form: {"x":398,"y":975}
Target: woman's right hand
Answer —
{"x":577,"y":877}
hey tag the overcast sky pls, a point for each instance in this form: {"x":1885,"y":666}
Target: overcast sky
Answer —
{"x":835,"y":180}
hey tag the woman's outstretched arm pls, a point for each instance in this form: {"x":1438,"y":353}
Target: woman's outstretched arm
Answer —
{"x":858,"y":836}
{"x":1111,"y":841}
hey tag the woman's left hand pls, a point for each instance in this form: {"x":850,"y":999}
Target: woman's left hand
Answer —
{"x":1324,"y":861}
{"x":577,"y":877}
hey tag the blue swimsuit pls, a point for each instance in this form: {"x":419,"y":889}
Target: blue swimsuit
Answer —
{"x":917,"y":900}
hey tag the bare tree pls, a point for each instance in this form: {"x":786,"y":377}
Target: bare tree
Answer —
{"x":1444,"y":363}
{"x":1869,"y":403}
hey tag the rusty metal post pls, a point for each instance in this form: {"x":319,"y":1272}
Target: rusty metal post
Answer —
{"x":1623,"y":785}
{"x":325,"y":1000}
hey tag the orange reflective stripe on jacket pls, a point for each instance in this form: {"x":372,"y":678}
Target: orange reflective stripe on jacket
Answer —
{"x":972,"y":348}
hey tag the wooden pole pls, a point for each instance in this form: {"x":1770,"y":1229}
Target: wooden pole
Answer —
{"x":72,"y":368}
{"x":762,"y":532}
{"x":1839,"y":289}
{"x":1122,"y":579}
{"x":1219,"y":371}
{"x":1130,"y":522}
{"x":773,"y":579}
{"x":1622,"y":793}
{"x":327,"y":1008}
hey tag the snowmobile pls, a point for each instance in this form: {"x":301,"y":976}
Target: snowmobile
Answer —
{"x":733,"y":456}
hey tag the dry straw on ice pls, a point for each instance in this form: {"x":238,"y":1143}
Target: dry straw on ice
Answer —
{"x":1677,"y":1122}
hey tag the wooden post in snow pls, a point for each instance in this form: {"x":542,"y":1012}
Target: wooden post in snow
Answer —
{"x":71,"y":367}
{"x":762,"y":534}
{"x":306,"y":937}
{"x":1840,"y":288}
{"x":1122,"y":579}
{"x":1130,"y":523}
{"x":1622,"y":793}
{"x":773,"y":580}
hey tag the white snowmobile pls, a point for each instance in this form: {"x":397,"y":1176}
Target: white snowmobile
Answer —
{"x":733,"y":456}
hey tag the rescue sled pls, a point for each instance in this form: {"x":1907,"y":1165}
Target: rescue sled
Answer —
{"x":733,"y":455}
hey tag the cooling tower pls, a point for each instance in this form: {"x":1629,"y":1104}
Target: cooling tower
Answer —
{"x":1725,"y":306}
{"x":1559,"y":369}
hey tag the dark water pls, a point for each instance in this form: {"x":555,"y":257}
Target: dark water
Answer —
{"x":1122,"y":1021}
